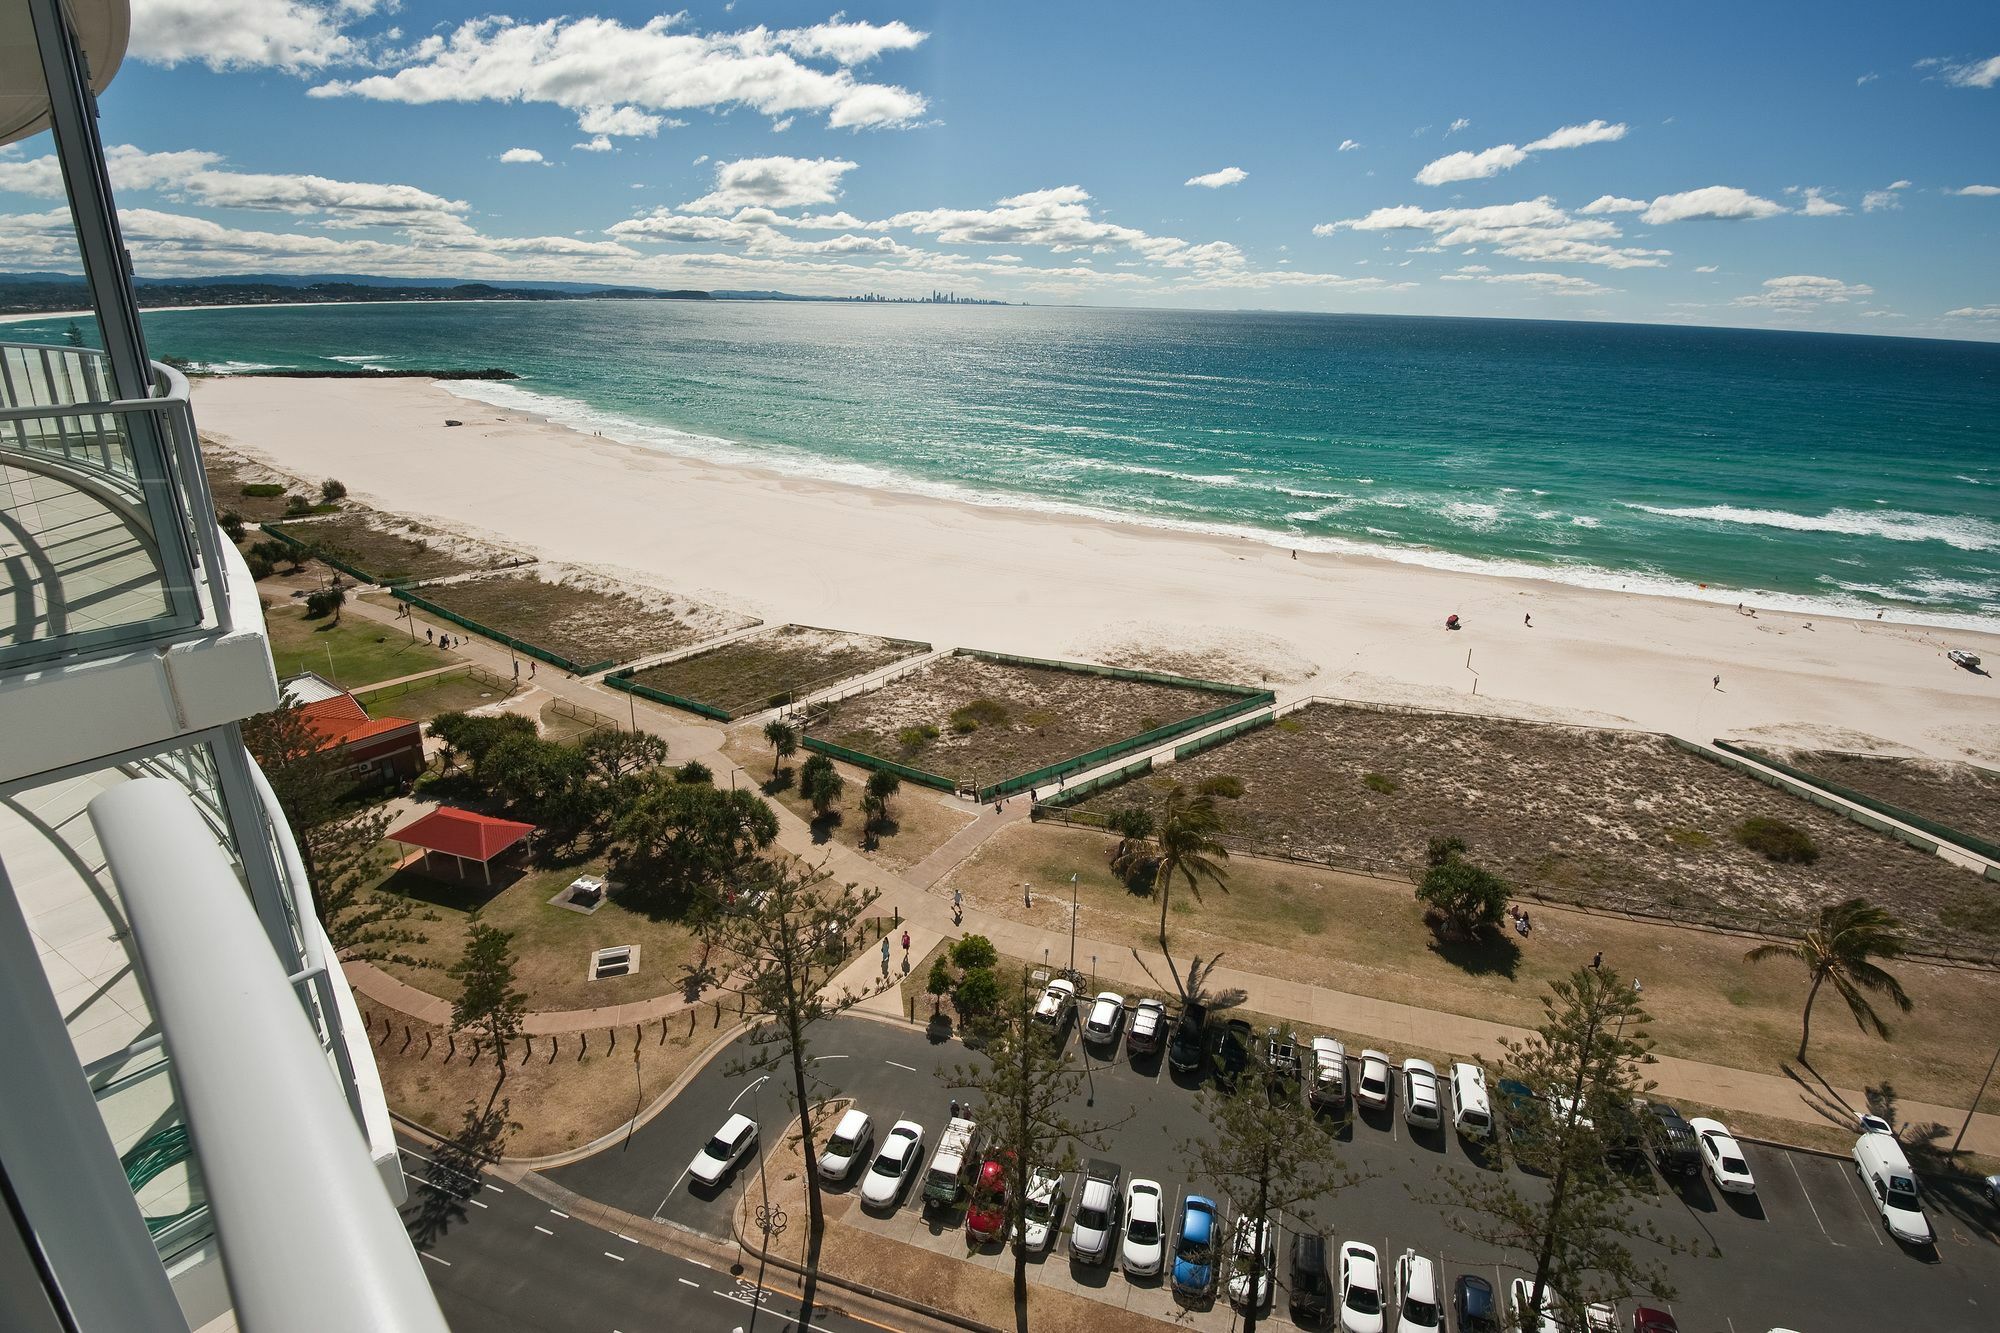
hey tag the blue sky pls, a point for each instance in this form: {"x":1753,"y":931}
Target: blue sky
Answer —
{"x":1833,"y":166}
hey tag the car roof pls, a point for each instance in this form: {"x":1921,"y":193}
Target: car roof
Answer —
{"x":1110,"y":995}
{"x":1475,"y":1292}
{"x":851,"y":1123}
{"x":1148,"y":1002}
{"x":909,"y":1127}
{"x":734,"y":1126}
{"x":1362,"y":1259}
{"x":1414,"y":1066}
{"x":1375,"y":1055}
{"x":1422,"y":1278}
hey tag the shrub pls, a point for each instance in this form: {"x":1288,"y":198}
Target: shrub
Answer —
{"x":1441,"y":849}
{"x":938,"y":984}
{"x":264,"y":490}
{"x":324,"y":602}
{"x":1223,"y":784}
{"x":1376,"y":782}
{"x":1133,"y":821}
{"x":912,"y":739}
{"x":297,"y":505}
{"x":979,"y":713}
{"x":1470,"y":900}
{"x":978,"y":992}
{"x":1691,"y":838}
{"x":1777,"y":840}
{"x":694,"y":771}
{"x":231,"y":524}
{"x":974,"y":951}
{"x":332,"y":492}
{"x":260,"y":564}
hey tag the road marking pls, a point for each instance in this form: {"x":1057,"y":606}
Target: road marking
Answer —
{"x":627,"y":1239}
{"x":1866,"y":1206}
{"x":475,"y":1203}
{"x":434,"y":1259}
{"x":544,"y":1230}
{"x":699,"y":1264}
{"x":670,"y":1193}
{"x":759,"y":1082}
{"x":1809,"y":1200}
{"x":687,"y":1282}
{"x":817,"y":1058}
{"x":487,"y":1184}
{"x":560,"y":1213}
{"x":619,"y":1257}
{"x":900,"y":1065}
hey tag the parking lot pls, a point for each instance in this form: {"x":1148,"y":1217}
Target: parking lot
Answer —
{"x":1805,"y":1253}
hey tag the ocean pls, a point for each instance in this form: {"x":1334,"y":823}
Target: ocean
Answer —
{"x":1821,"y":473}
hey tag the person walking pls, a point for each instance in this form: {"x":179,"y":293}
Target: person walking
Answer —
{"x":906,"y":941}
{"x":430,"y":635}
{"x":1598,"y":961}
{"x":1528,"y":621}
{"x":1718,"y":682}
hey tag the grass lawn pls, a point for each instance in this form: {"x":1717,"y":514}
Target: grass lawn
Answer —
{"x":425,"y":699}
{"x":1366,"y":936}
{"x":353,"y":653}
{"x":552,"y":945}
{"x":921,"y":820}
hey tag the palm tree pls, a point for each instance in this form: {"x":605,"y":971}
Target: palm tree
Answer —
{"x":784,"y":740}
{"x":1184,"y":836}
{"x":1841,"y":949}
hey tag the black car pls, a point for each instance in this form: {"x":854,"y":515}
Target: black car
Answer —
{"x":1232,"y":1050}
{"x":1473,"y":1303}
{"x":1312,"y":1285}
{"x":1674,"y":1145}
{"x":1189,"y":1044}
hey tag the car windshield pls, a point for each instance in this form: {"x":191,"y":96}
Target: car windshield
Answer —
{"x":1735,"y":1166}
{"x":1143,"y":1231}
{"x":1091,"y":1219}
{"x":1364,"y":1300}
{"x":717,"y":1147}
{"x":1372,"y":1082}
{"x":1902,"y":1192}
{"x":1037,"y":1209}
{"x":1475,"y":1117}
{"x":841,"y":1147}
{"x":941,"y":1179}
{"x":888,"y":1163}
{"x":1194,"y":1250}
{"x":1420,"y":1313}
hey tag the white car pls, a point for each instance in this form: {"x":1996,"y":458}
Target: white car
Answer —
{"x":1420,"y":1094}
{"x":1723,"y":1156}
{"x":889,"y":1174}
{"x":1057,"y":1004}
{"x":1565,"y":1110}
{"x":1107,"y":1013}
{"x":1360,"y":1282}
{"x":1374,"y":1088}
{"x":1256,"y":1248}
{"x":1522,"y":1289}
{"x":721,"y":1154}
{"x":848,"y":1146}
{"x":1144,"y":1245}
{"x":1148,"y":1027}
{"x":1041,"y":1215}
{"x":1418,"y":1306}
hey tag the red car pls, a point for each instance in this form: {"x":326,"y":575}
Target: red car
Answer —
{"x":1646,"y":1320}
{"x":986,"y":1219}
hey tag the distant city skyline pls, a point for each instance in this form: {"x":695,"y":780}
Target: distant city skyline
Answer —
{"x":1828,"y":169}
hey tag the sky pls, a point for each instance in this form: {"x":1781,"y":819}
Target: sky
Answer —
{"x":1833,"y":166}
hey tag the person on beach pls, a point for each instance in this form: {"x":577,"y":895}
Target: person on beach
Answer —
{"x":429,"y":635}
{"x":1718,"y":682}
{"x":531,"y":669}
{"x":1528,"y":621}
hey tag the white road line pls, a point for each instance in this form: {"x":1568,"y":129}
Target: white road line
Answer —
{"x":670,"y":1192}
{"x":1855,"y":1189}
{"x":434,"y":1259}
{"x":475,"y":1203}
{"x":545,"y":1231}
{"x":487,"y":1184}
{"x":687,"y":1282}
{"x":1809,"y":1200}
{"x":560,"y":1213}
{"x":619,"y":1257}
{"x":627,"y":1239}
{"x":900,"y":1065}
{"x":699,"y":1264}
{"x":817,"y":1058}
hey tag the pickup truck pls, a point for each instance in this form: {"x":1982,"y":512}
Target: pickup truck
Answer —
{"x":957,"y":1157}
{"x":1097,"y":1206}
{"x":1281,"y":1054}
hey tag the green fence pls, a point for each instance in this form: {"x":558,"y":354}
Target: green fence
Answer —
{"x":1114,"y":673}
{"x":1194,"y":747}
{"x":1968,"y":841}
{"x":487,"y":631}
{"x":323,"y":557}
{"x":870,"y":761}
{"x":1083,"y":791}
{"x":1805,"y":790}
{"x":622,"y":680}
{"x":1144,"y":740}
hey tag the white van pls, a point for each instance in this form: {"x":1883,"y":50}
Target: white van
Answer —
{"x":1886,"y":1175}
{"x":1471,"y":1113}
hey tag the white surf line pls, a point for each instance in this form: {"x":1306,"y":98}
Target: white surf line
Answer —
{"x":1809,"y":1200}
{"x":900,"y":1065}
{"x":434,"y":1259}
{"x":741,"y":1095}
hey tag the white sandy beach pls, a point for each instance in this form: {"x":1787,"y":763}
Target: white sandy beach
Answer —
{"x":1353,"y":627}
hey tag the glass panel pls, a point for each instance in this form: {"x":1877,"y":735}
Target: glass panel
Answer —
{"x":142,"y":1113}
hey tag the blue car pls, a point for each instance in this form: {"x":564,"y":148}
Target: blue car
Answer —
{"x":1194,"y":1251}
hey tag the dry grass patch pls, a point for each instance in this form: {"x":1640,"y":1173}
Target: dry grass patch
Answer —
{"x":1961,"y":796}
{"x":582,"y":616}
{"x":774,"y":666}
{"x":1366,"y":936}
{"x":978,"y":721}
{"x":228,"y":473}
{"x":1603,"y":818}
{"x":389,"y":549}
{"x":921,"y":820}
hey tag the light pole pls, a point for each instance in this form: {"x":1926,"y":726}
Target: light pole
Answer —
{"x":770,"y":1221}
{"x":1072,"y":925}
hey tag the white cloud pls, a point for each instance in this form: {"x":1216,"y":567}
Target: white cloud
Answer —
{"x":773,"y":182}
{"x":596,"y":62}
{"x":780,"y":126}
{"x":1973,"y":73}
{"x":1711,"y":203}
{"x":1869,"y":77}
{"x":1876,"y":200}
{"x":1977,"y":191}
{"x":1460,"y":124}
{"x":1800,"y":292}
{"x":1817,"y":205}
{"x":600,"y":144}
{"x":292,"y":35}
{"x":850,"y":43}
{"x":1533,"y":230}
{"x":1347,"y":146}
{"x":1705,"y":268}
{"x":625,"y":121}
{"x":1576,"y":136}
{"x":1464,"y":166}
{"x":1555,"y":284}
{"x":1215,"y":180}
{"x":523,"y":155}
{"x":1061,"y":220}
{"x":1611,"y":203}
{"x":1975,"y":312}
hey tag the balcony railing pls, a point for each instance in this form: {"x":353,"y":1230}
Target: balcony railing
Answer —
{"x":105,"y":513}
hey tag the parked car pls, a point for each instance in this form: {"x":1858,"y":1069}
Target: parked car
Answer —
{"x":1360,"y":1287}
{"x":1140,"y":1253}
{"x":1281,"y":1054}
{"x":1097,"y":1207}
{"x":719,"y":1156}
{"x":1886,"y":1176}
{"x":952,"y":1165}
{"x":1645,"y":1319}
{"x":847,"y":1147}
{"x":1419,"y":1308}
{"x":1420,"y":1094}
{"x":1524,"y":1111}
{"x":1473,"y":1305}
{"x":1675,"y":1149}
{"x":889,"y":1174}
{"x":1107,"y":1015}
{"x":1328,"y":1091}
{"x":1312,"y":1284}
{"x":1373,"y":1088}
{"x":1600,"y":1317}
{"x":1232,"y":1049}
{"x":1723,"y":1156}
{"x":1253,"y":1265}
{"x":1147,"y":1028}
{"x":1057,"y":1006}
{"x":1194,"y":1248}
{"x":986,"y":1219}
{"x":1471,"y":1109}
{"x":1189,"y":1044}
{"x":1521,"y":1289}
{"x":1042,"y":1208}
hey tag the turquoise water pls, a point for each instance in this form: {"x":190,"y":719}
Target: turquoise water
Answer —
{"x":1814,"y":471}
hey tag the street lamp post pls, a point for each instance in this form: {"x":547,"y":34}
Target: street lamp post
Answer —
{"x":770,"y":1221}
{"x":1072,"y":924}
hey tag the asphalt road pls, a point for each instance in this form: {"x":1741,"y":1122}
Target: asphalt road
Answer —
{"x":502,"y":1261}
{"x":1806,"y":1253}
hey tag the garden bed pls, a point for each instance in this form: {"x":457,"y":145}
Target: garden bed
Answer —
{"x":773,"y":667}
{"x":383,"y":548}
{"x":1964,"y":797}
{"x":1604,"y":818}
{"x":982,"y":722}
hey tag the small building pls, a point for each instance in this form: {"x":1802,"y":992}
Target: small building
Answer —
{"x":379,"y":750}
{"x":464,"y":837}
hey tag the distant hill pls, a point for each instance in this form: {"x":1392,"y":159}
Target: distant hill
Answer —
{"x":34,"y":292}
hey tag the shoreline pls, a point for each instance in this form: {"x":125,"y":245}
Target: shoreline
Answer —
{"x":821,"y":551}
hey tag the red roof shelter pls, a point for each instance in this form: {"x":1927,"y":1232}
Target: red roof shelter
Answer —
{"x":463,"y":836}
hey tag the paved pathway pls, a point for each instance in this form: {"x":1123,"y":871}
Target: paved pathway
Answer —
{"x":927,"y":910}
